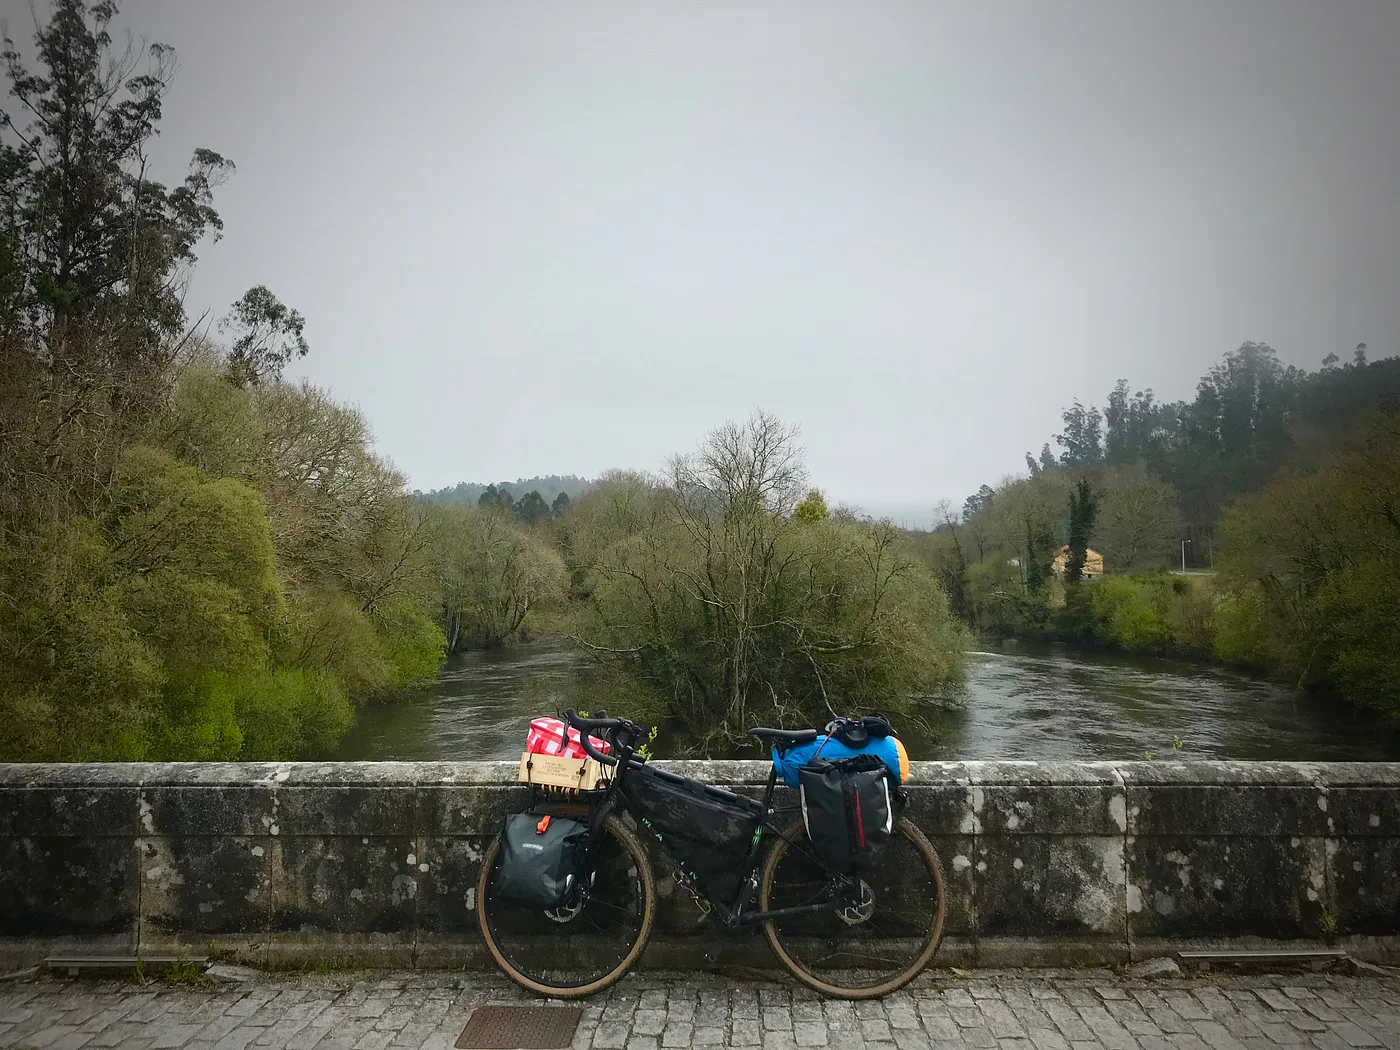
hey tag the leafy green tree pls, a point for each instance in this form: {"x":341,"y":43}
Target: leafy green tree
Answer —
{"x":1132,"y":425}
{"x":979,"y":501}
{"x":1250,"y":415}
{"x":92,"y":239}
{"x":621,"y":505}
{"x":531,"y":509}
{"x":549,"y":486}
{"x":1310,"y":570}
{"x":945,"y":552}
{"x":1083,"y":510}
{"x":281,"y":712}
{"x":77,"y":682}
{"x":175,"y":580}
{"x":197,"y":576}
{"x":1082,"y":438}
{"x":560,"y":506}
{"x":495,"y":498}
{"x":214,"y":425}
{"x":197,"y":560}
{"x":1007,"y":544}
{"x":811,"y":508}
{"x":1039,"y":554}
{"x":493,"y":575}
{"x":265,"y":335}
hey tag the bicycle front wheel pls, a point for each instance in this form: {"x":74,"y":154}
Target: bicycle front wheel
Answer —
{"x":572,"y":952}
{"x":855,"y":949}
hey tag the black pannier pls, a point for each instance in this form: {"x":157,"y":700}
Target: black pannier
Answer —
{"x":707,"y":829}
{"x":848,"y":809}
{"x":542,"y":859}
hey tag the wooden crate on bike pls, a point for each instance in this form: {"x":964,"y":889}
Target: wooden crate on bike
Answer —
{"x":558,"y":772}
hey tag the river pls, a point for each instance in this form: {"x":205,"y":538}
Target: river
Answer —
{"x":1022,"y":701}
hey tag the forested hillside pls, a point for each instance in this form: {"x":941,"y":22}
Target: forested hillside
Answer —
{"x":1281,"y":486}
{"x":549,"y":488}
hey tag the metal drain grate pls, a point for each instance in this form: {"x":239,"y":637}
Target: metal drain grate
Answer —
{"x":520,"y":1028}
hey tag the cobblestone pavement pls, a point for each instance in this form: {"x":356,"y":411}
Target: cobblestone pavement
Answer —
{"x":1020,"y":1010}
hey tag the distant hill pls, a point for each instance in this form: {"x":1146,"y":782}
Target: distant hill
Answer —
{"x":548,"y":487}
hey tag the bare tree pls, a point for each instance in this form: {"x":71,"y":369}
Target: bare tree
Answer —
{"x":1138,"y":520}
{"x":729,"y":609}
{"x":492,"y":574}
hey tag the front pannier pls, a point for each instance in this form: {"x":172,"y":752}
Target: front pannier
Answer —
{"x":542,"y":859}
{"x":707,"y":829}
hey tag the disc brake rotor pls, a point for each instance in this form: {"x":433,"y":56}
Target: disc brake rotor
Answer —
{"x":567,"y":913}
{"x":854,"y":913}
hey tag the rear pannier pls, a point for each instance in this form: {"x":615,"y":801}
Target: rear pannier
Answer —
{"x":707,"y":829}
{"x":848,"y":809}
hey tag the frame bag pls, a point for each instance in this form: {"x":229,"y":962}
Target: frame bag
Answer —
{"x":849,"y":811}
{"x":542,"y":859}
{"x":708,"y":830}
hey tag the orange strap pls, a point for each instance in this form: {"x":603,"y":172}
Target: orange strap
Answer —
{"x":543,"y":825}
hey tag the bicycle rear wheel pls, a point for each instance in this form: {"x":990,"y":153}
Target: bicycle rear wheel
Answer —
{"x":862,"y":950}
{"x":573,"y":952}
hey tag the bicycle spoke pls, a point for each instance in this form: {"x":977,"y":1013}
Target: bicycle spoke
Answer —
{"x":580,"y":950}
{"x":893,"y":927}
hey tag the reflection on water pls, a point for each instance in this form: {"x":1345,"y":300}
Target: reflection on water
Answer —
{"x":1022,"y":701}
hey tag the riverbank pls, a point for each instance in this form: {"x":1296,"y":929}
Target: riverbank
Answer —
{"x":1182,"y":616}
{"x":1188,"y":619}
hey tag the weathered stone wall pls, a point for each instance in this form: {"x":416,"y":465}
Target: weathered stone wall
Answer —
{"x":1051,"y":862}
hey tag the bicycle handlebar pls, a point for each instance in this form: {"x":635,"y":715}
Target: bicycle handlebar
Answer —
{"x":588,"y":725}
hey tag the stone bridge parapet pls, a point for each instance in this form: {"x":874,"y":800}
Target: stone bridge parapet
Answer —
{"x":375,"y":863}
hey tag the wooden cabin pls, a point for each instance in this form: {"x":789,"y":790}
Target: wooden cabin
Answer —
{"x":1093,"y":561}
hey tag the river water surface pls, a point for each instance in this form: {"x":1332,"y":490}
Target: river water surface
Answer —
{"x":1022,"y":701}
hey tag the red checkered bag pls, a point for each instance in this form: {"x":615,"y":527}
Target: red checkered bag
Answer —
{"x":547,"y":737}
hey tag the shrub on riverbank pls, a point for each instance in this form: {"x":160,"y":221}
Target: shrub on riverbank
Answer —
{"x":1155,"y":613}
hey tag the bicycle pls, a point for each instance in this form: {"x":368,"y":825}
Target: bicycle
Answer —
{"x":846,"y":936}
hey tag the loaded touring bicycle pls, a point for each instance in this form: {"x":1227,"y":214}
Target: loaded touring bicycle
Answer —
{"x":848,"y":893}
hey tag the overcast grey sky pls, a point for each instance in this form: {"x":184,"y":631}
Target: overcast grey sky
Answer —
{"x":560,"y":237}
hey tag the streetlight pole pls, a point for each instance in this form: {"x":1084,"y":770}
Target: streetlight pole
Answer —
{"x":1183,"y":556}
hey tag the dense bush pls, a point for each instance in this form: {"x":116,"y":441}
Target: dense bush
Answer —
{"x":1143,"y":614}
